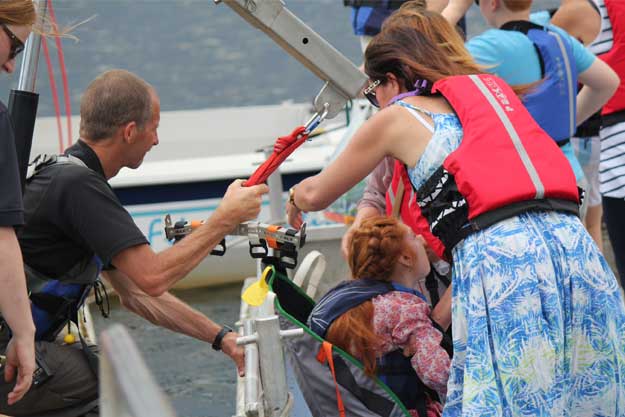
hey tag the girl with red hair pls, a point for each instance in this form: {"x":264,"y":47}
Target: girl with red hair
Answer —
{"x":380,"y":319}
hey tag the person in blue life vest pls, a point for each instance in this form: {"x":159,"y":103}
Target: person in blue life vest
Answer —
{"x":379,"y":317}
{"x":16,"y":20}
{"x":494,"y":194}
{"x":582,"y":20}
{"x":75,"y":228}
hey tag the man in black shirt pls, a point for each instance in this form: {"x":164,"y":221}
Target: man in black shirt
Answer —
{"x":75,"y":225}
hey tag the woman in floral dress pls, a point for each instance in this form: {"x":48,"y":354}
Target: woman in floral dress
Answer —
{"x":538,"y":316}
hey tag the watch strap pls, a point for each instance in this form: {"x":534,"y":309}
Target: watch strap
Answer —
{"x":220,"y":337}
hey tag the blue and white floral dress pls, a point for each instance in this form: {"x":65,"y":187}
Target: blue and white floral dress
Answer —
{"x":538,"y":316}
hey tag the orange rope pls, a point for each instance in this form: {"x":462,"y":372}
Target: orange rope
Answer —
{"x":66,"y":96}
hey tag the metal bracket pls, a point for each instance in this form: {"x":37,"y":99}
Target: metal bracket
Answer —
{"x":285,"y":241}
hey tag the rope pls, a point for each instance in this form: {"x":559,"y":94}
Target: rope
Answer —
{"x":283,"y":147}
{"x":66,"y":97}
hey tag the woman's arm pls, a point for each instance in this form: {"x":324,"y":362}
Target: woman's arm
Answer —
{"x":600,"y":83}
{"x":391,"y":132}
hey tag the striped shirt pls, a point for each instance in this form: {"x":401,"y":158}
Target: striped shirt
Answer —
{"x":603,"y":42}
{"x":612,"y":160}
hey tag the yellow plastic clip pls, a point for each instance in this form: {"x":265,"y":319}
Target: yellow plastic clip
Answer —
{"x":256,"y":293}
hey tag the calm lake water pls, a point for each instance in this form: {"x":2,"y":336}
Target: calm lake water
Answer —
{"x":197,"y":55}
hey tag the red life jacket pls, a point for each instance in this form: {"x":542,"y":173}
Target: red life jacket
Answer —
{"x":505,"y":165}
{"x":410,"y":212}
{"x":615,"y":58}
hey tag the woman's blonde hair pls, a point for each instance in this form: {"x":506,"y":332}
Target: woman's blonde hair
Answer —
{"x":417,"y":44}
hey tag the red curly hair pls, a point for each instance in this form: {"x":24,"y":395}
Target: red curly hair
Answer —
{"x":375,"y":248}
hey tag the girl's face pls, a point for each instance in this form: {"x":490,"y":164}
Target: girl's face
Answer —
{"x":415,"y":247}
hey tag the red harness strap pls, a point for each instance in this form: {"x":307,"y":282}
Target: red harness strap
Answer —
{"x":283,"y":147}
{"x":325,"y":355}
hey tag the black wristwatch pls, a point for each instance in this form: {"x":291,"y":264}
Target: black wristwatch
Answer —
{"x":220,"y":336}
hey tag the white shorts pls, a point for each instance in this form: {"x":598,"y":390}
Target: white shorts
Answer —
{"x":588,"y":150}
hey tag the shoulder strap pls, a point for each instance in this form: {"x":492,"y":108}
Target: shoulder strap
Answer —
{"x":414,"y":110}
{"x":43,"y":160}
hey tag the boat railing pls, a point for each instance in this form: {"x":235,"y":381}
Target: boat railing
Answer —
{"x":127,"y":387}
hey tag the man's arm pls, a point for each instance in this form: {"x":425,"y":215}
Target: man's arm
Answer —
{"x":15,"y":308}
{"x":173,"y":314}
{"x":154,"y":273}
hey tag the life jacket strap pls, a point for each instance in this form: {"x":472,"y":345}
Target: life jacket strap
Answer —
{"x":325,"y":356}
{"x":44,"y":160}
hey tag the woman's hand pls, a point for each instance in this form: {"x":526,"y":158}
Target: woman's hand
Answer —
{"x":236,"y":353}
{"x":20,"y":361}
{"x":294,"y":215}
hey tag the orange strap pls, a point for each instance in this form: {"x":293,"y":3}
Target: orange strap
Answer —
{"x":325,"y":355}
{"x":271,"y":241}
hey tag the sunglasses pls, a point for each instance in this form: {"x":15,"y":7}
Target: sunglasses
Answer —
{"x":17,"y":45}
{"x":369,"y":93}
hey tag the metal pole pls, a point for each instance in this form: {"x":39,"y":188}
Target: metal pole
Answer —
{"x":30,"y":60}
{"x":251,"y":373}
{"x":272,"y":366}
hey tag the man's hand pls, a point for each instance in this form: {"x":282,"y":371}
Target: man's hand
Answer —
{"x":20,"y":360}
{"x":236,"y":353}
{"x":240,"y":204}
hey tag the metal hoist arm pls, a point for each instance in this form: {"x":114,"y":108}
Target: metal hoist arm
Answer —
{"x":343,"y":80}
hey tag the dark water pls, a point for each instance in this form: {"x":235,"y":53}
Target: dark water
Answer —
{"x":199,"y":381}
{"x":197,"y":55}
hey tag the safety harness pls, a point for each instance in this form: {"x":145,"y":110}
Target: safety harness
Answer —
{"x":331,"y":380}
{"x":55,"y":302}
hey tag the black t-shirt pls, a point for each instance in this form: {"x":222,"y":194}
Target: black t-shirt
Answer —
{"x":71,"y":214}
{"x":11,"y":212}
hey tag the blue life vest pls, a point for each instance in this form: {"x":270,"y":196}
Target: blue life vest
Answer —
{"x":394,"y":369}
{"x":553,"y":104}
{"x":368,"y":15}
